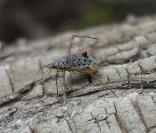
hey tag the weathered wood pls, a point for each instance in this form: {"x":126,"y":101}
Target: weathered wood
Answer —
{"x":121,"y":100}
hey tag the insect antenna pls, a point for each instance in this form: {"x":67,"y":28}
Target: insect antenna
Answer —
{"x":50,"y":67}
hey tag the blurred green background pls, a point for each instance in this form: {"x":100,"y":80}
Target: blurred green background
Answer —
{"x":40,"y":18}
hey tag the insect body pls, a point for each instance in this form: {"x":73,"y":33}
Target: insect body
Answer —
{"x":76,"y":62}
{"x":79,"y":62}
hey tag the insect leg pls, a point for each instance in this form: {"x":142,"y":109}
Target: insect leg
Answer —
{"x":56,"y":76}
{"x":89,"y":78}
{"x":64,"y":82}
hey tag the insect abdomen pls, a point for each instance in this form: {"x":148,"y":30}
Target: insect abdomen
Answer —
{"x":75,"y":61}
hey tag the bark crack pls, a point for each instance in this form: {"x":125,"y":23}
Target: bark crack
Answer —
{"x":69,"y":125}
{"x":138,"y":111}
{"x":10,"y":80}
{"x":119,"y":121}
{"x":153,"y":100}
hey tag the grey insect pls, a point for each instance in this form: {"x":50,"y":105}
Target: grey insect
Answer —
{"x":74,"y":62}
{"x":79,"y":62}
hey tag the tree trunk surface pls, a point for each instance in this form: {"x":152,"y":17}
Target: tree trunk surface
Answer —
{"x":122,"y":98}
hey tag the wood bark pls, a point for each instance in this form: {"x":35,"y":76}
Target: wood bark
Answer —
{"x":122,"y":98}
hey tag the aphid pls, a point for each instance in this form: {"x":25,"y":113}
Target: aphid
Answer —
{"x":79,"y":62}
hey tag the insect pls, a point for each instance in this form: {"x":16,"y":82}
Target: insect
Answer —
{"x":80,"y":62}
